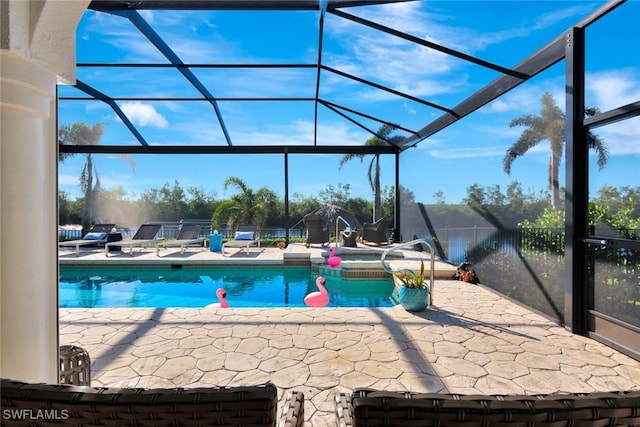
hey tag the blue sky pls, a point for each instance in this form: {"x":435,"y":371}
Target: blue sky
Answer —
{"x":468,"y":152}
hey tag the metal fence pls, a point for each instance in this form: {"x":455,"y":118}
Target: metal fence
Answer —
{"x":528,"y":265}
{"x":453,"y":244}
{"x":170,"y":229}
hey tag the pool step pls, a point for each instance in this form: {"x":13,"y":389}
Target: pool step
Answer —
{"x":296,"y":259}
{"x":362,"y":269}
{"x":373,"y":270}
{"x":354,"y":270}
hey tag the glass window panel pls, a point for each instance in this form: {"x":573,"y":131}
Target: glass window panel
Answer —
{"x":615,"y":188}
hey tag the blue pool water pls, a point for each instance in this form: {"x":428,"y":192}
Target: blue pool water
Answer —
{"x":196,"y":287}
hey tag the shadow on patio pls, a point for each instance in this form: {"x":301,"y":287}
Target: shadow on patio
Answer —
{"x":471,"y":341}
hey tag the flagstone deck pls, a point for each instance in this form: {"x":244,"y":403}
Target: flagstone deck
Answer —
{"x":471,"y":341}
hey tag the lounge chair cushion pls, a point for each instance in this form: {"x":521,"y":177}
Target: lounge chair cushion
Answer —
{"x":189,"y":232}
{"x":147,"y":232}
{"x":95,"y":236}
{"x":189,"y":235}
{"x":244,"y":235}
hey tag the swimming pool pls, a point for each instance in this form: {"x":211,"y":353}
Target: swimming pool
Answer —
{"x":83,"y":287}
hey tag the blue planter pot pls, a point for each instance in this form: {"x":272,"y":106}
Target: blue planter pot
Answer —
{"x":413,"y":299}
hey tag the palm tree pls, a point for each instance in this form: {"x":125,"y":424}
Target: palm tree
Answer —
{"x":373,"y":173}
{"x":83,"y":134}
{"x":246,"y":207}
{"x":550,"y":126}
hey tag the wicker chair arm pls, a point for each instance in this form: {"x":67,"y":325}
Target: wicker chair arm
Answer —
{"x":25,"y":404}
{"x":293,"y":410}
{"x":375,"y":407}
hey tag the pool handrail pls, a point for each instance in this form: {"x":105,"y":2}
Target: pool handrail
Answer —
{"x":412,"y":243}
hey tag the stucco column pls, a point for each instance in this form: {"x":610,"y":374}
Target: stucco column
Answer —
{"x":36,"y":39}
{"x":28,"y":222}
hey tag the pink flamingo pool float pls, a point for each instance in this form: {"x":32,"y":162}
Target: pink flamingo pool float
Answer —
{"x":334,"y":261}
{"x":222,"y":295}
{"x":318,"y":299}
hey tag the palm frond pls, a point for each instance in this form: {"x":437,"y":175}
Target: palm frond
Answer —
{"x":237,"y":182}
{"x":597,"y":144}
{"x":370,"y":175}
{"x":348,"y":157}
{"x":529,"y":139}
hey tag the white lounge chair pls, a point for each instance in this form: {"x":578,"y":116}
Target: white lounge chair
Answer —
{"x":98,"y":234}
{"x":245,"y":237}
{"x":189,"y":235}
{"x":145,"y":236}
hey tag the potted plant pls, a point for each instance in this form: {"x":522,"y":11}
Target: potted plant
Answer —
{"x":413,"y":292}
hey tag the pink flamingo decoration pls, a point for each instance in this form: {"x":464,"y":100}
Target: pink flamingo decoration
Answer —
{"x":334,"y":261}
{"x":222,"y":295}
{"x":318,"y":299}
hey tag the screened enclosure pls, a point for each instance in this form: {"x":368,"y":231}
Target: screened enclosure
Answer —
{"x":316,"y":81}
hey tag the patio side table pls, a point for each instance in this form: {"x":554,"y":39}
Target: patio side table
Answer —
{"x":349,"y":239}
{"x":114,"y":237}
{"x":75,"y":365}
{"x":215,"y":242}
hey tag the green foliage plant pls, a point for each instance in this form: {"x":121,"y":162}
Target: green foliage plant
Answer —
{"x":247,"y":207}
{"x":412,"y":280}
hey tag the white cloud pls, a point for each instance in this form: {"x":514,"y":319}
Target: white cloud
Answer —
{"x":147,"y":15}
{"x":551,"y":18}
{"x":469,"y":153}
{"x":387,"y":59}
{"x":301,"y":132}
{"x":416,"y":69}
{"x":526,"y":99}
{"x":621,"y":138}
{"x":144,"y":115}
{"x":613,"y":88}
{"x":409,"y":109}
{"x":66,"y":179}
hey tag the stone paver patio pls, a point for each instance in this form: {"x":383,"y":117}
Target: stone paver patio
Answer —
{"x":471,"y":341}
